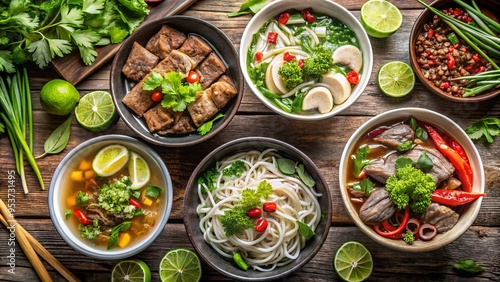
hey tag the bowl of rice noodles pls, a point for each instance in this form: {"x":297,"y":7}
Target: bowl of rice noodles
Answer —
{"x":257,"y":209}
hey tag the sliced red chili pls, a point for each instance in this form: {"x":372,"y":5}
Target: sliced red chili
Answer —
{"x":254,"y":213}
{"x":134,"y":203}
{"x":352,"y":77}
{"x":258,"y":56}
{"x":269,"y":206}
{"x":454,"y":197}
{"x":82,"y":217}
{"x":445,"y":85}
{"x":272,"y":37}
{"x":287,"y":57}
{"x":261,"y":225}
{"x":301,"y":63}
{"x":398,"y":230}
{"x":377,"y":131}
{"x":457,"y":147}
{"x":283,"y":18}
{"x":450,"y":61}
{"x":307,"y":15}
{"x":430,"y":33}
{"x":476,"y":58}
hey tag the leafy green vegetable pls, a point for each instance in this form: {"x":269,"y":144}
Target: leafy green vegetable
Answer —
{"x":177,"y":93}
{"x":153,"y":191}
{"x":305,"y":230}
{"x":291,"y":73}
{"x":487,"y":127}
{"x":403,"y":162}
{"x":419,"y":131}
{"x":304,"y":176}
{"x":207,"y":126}
{"x":249,"y":7}
{"x":286,"y":166}
{"x":361,"y":159}
{"x":366,"y":186}
{"x":82,"y":199}
{"x":67,"y":214}
{"x":468,"y":266}
{"x":115,"y":231}
{"x":408,"y":237}
{"x":424,"y":163}
{"x":208,"y":180}
{"x":90,"y":231}
{"x":58,"y":139}
{"x":235,"y":169}
{"x":410,"y":186}
{"x":41,"y":30}
{"x":405,"y":146}
{"x":319,"y":63}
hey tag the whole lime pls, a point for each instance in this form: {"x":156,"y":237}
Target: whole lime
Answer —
{"x":59,"y":97}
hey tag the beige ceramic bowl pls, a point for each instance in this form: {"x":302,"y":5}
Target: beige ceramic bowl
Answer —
{"x":452,"y":129}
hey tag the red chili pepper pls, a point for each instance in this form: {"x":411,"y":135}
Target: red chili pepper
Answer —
{"x":192,"y":77}
{"x":254,"y":213}
{"x":454,"y":197}
{"x":456,"y":46}
{"x":387,"y":226}
{"x":398,"y":230}
{"x":269,"y":206}
{"x":287,"y":57}
{"x":476,"y":58}
{"x":134,"y":203}
{"x":377,"y":131}
{"x":451,"y":61}
{"x":156,"y":96}
{"x":457,"y":147}
{"x":445,"y":85}
{"x":464,"y":171}
{"x":301,"y":63}
{"x":283,"y":18}
{"x":261,"y":225}
{"x":481,"y":69}
{"x":430,"y":33}
{"x":352,"y":77}
{"x":82,"y":217}
{"x":272,"y":37}
{"x":258,"y":56}
{"x":307,"y":15}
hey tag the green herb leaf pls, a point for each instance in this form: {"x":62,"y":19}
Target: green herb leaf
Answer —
{"x":286,"y":166}
{"x":361,"y":160}
{"x":469,"y":266}
{"x":405,"y":146}
{"x":153,"y":191}
{"x":419,"y":131}
{"x":235,"y":169}
{"x":424,"y":163}
{"x":305,"y":230}
{"x":488,"y":127}
{"x":115,"y":231}
{"x":403,"y":162}
{"x":366,"y":186}
{"x":58,"y":139}
{"x":304,"y":176}
{"x":249,"y":7}
{"x":207,"y":126}
{"x":67,"y":214}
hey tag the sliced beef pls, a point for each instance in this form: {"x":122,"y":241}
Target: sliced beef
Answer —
{"x":442,"y":217}
{"x":211,"y":68}
{"x":158,"y":118}
{"x":176,"y":61}
{"x":395,"y":135}
{"x":377,"y":208}
{"x":442,"y":168}
{"x":382,"y":168}
{"x":183,"y":126}
{"x":223,"y":91}
{"x":138,"y":100}
{"x":105,"y":220}
{"x":166,"y":40}
{"x":139,"y":63}
{"x":203,"y":108}
{"x":196,"y":48}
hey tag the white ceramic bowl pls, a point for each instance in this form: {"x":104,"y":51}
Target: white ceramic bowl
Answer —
{"x":57,"y":210}
{"x":325,"y":7}
{"x":444,"y":123}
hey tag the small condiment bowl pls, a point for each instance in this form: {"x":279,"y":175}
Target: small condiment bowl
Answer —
{"x":56,"y":199}
{"x":443,"y":123}
{"x":418,"y":28}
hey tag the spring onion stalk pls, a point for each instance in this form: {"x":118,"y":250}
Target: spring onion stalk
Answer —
{"x":477,"y":19}
{"x":15,"y":112}
{"x":494,"y":25}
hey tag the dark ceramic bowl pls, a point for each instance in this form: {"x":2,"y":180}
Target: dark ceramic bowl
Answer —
{"x":120,"y":85}
{"x":228,"y":267}
{"x":418,"y":27}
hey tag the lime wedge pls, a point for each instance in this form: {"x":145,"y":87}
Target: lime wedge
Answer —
{"x":139,"y":171}
{"x":110,"y":160}
{"x":96,"y":111}
{"x":131,"y":271}
{"x":395,"y":79}
{"x":380,"y":18}
{"x":353,"y":262}
{"x":179,"y":265}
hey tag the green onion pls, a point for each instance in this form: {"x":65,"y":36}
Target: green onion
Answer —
{"x":452,"y":37}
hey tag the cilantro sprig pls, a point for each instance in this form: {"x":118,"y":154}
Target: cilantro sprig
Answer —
{"x":487,"y":127}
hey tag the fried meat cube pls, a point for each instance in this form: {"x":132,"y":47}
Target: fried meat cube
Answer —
{"x":139,"y":63}
{"x":196,"y":48}
{"x":176,"y":61}
{"x":203,"y":108}
{"x":223,"y":91}
{"x":166,"y":40}
{"x":211,"y":68}
{"x":138,"y":100}
{"x":183,"y":126}
{"x":158,"y":118}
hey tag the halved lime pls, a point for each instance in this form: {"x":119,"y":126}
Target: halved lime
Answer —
{"x":110,"y":160}
{"x":179,"y":265}
{"x":353,"y":262}
{"x":395,"y":79}
{"x":380,"y":18}
{"x":96,"y":111}
{"x":139,"y":171}
{"x":131,"y":271}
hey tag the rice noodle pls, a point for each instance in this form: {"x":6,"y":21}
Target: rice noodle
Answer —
{"x":281,"y":242}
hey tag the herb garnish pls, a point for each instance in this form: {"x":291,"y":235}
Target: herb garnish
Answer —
{"x":361,"y":159}
{"x":207,"y":126}
{"x":115,"y":231}
{"x":487,"y":127}
{"x":468,"y":266}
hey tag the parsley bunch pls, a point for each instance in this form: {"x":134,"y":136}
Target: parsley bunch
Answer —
{"x":487,"y":127}
{"x":33,"y":30}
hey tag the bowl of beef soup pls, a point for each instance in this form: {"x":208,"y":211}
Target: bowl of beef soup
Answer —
{"x":176,"y":81}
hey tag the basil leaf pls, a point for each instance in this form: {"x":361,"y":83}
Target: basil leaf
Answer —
{"x":305,"y":230}
{"x":113,"y":238}
{"x":403,"y":162}
{"x":305,"y":177}
{"x":59,"y":138}
{"x":153,"y":191}
{"x":424,"y":163}
{"x":286,"y":166}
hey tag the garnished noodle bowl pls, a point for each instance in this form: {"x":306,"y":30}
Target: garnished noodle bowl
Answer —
{"x":281,"y":242}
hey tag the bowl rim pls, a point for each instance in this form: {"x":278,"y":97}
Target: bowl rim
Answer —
{"x":342,"y":14}
{"x":428,"y":116}
{"x":132,"y":123}
{"x":422,"y":18}
{"x":229,"y":148}
{"x":76,"y":242}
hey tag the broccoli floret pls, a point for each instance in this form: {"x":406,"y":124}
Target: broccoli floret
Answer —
{"x":291,"y":73}
{"x":236,"y":220}
{"x":82,"y":199}
{"x":90,"y":231}
{"x":235,"y":169}
{"x":408,"y":237}
{"x":411,"y":186}
{"x":320,"y":63}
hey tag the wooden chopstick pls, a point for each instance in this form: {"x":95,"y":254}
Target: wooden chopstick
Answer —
{"x":25,"y":245}
{"x":46,"y":255}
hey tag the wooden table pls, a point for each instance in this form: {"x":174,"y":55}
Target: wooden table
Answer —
{"x":323,"y":142}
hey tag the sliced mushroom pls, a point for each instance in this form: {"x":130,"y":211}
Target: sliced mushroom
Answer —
{"x":270,"y":81}
{"x":276,"y":64}
{"x":318,"y":98}
{"x":349,"y":55}
{"x":338,"y":85}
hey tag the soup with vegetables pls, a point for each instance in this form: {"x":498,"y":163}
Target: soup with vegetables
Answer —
{"x":409,"y":180}
{"x":305,"y":62}
{"x":111,"y":197}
